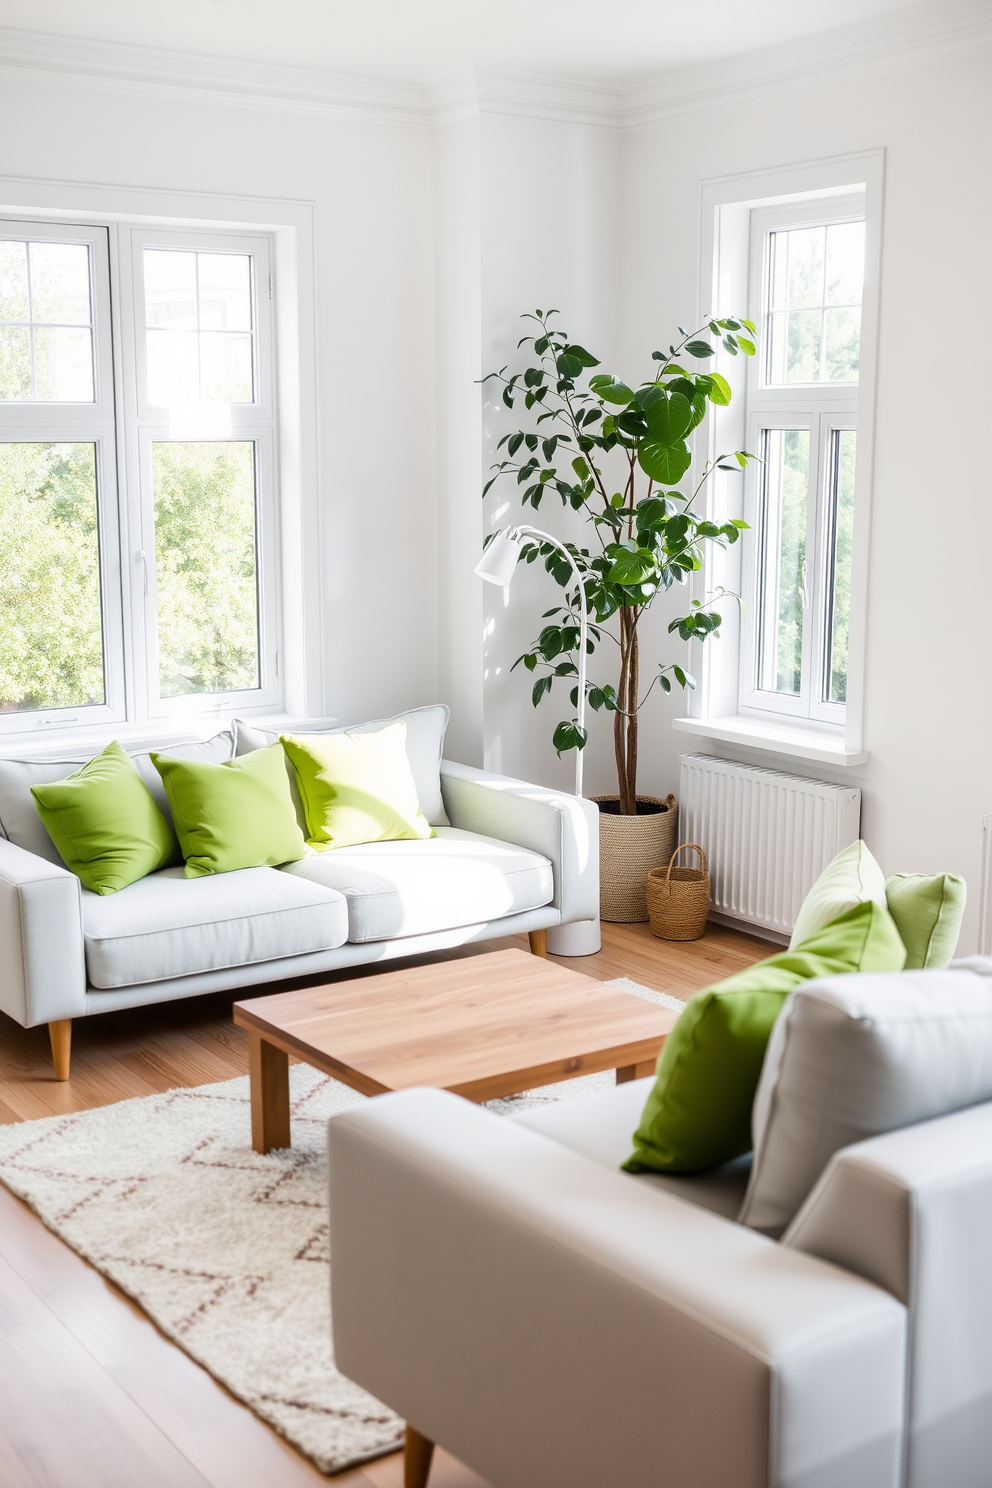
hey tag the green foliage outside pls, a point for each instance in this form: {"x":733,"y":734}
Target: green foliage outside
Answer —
{"x":51,"y":652}
{"x":205,"y":567}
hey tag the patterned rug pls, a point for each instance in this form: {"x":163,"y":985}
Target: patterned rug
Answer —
{"x":225,"y":1250}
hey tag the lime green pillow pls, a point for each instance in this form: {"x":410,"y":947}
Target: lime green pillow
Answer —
{"x":105,"y":823}
{"x":235,"y":815}
{"x":928,"y":910}
{"x":850,"y":878}
{"x":699,"y":1112}
{"x":356,"y":787}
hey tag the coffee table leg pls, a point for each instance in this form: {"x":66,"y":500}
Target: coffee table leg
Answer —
{"x":636,"y":1071}
{"x":268,"y":1068}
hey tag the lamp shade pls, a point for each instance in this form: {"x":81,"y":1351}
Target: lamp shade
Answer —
{"x":499,"y":561}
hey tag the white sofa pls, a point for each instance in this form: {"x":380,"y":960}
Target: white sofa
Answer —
{"x":552,"y":1320}
{"x":508,"y":858}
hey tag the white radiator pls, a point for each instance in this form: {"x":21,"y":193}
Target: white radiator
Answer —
{"x":767,"y":836}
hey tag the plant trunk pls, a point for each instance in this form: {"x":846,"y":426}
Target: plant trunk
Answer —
{"x":625,"y":719}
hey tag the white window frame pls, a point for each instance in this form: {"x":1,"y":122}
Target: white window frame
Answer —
{"x":714,"y":709}
{"x":819,"y":408}
{"x":123,"y":427}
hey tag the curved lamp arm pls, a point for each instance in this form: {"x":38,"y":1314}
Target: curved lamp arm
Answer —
{"x":498,"y":565}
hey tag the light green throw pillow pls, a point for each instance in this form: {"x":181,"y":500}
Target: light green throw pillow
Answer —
{"x":105,"y":823}
{"x":356,"y":787}
{"x":235,"y":815}
{"x":852,"y":877}
{"x":928,"y":910}
{"x":698,"y":1114}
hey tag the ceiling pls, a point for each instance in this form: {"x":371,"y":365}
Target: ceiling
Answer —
{"x":419,"y":40}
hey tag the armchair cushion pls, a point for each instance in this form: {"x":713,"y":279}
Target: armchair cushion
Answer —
{"x":928,"y":910}
{"x":853,"y":1057}
{"x":699,"y":1113}
{"x":416,"y":887}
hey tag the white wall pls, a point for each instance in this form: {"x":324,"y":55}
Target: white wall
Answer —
{"x":928,"y":704}
{"x":370,"y":183}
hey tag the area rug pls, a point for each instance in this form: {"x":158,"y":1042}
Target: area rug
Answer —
{"x":225,"y":1250}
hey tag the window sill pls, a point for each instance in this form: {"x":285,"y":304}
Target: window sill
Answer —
{"x":68,"y":742}
{"x":804,"y":744}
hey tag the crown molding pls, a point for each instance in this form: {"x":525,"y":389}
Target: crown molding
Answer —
{"x":222,"y":79}
{"x":924,"y":33}
{"x":935,"y":30}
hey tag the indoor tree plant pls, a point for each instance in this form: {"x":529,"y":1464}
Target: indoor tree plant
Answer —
{"x":618,"y":455}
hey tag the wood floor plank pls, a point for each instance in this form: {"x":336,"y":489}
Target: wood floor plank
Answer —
{"x":91,"y":1394}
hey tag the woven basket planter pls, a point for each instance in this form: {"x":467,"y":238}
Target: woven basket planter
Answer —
{"x":629,"y":847}
{"x":679,"y":898}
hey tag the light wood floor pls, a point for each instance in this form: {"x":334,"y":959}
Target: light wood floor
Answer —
{"x":91,"y":1394}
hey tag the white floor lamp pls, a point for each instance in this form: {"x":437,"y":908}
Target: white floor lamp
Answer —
{"x":497,"y":566}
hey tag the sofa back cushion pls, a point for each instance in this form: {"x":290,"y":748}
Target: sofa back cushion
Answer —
{"x":852,"y":877}
{"x":19,"y":819}
{"x":425,"y":729}
{"x":852,"y":1057}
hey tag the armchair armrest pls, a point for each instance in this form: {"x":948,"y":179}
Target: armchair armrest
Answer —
{"x":561,"y":827}
{"x":550,"y":1320}
{"x":41,"y":939}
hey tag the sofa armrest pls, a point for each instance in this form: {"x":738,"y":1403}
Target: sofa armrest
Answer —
{"x":561,"y":827}
{"x":550,"y":1320}
{"x":912,"y":1211}
{"x":41,"y":936}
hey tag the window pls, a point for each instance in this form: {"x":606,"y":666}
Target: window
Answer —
{"x":807,"y":273}
{"x":137,"y":506}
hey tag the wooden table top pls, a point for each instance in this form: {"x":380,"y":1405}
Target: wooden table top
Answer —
{"x":480,"y":1026}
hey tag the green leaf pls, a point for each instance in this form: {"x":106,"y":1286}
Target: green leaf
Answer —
{"x":581,"y":468}
{"x":750,"y":325}
{"x":569,"y":736}
{"x":515,"y":441}
{"x":541,"y":686}
{"x":746,"y":346}
{"x":645,"y":396}
{"x":665,"y":683}
{"x":569,"y":367}
{"x":669,"y":419}
{"x":631,"y":567}
{"x":663,"y":462}
{"x":580,"y":354}
{"x":719,"y":391}
{"x":611,"y":389}
{"x":699,"y":348}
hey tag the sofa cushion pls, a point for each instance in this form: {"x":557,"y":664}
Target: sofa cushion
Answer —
{"x":599,"y":1127}
{"x":167,"y":925}
{"x":424,"y":737}
{"x":928,"y":910}
{"x":355,"y":788}
{"x":413,"y":888}
{"x":19,"y":819}
{"x":853,"y":1057}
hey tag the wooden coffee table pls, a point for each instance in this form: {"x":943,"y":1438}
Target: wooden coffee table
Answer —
{"x":481,"y":1026}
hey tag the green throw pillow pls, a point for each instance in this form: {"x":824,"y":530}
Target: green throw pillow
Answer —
{"x":105,"y":823}
{"x":698,"y":1114}
{"x":356,"y":787}
{"x":928,"y":911}
{"x":235,"y":815}
{"x":850,"y":878}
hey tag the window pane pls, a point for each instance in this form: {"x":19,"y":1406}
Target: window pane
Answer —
{"x":13,"y":281}
{"x":60,"y":283}
{"x":782,"y":538}
{"x":845,"y":262}
{"x":170,"y":289}
{"x":225,"y":291}
{"x":15,"y":362}
{"x":197,"y":300}
{"x":51,"y":633}
{"x":812,"y":321}
{"x":173,"y":367}
{"x":63,"y":364}
{"x":205,"y":567}
{"x":844,"y":445}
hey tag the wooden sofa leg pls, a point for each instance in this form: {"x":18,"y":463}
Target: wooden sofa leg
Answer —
{"x":538,"y":942}
{"x":60,"y":1033}
{"x":417,"y":1455}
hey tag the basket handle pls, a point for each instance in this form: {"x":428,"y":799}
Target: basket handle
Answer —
{"x":679,"y":849}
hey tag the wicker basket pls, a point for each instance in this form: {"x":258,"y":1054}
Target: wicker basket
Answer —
{"x":679,"y":898}
{"x":628,"y":847}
